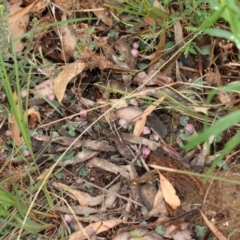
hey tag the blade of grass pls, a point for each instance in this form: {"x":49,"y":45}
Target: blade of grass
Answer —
{"x":231,"y":144}
{"x":222,"y":124}
{"x":10,"y":95}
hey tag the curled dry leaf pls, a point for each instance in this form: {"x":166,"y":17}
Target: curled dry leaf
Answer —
{"x":169,"y":193}
{"x":60,"y":82}
{"x":94,"y":229}
{"x":18,"y":23}
{"x":83,"y":198}
{"x":34,"y":117}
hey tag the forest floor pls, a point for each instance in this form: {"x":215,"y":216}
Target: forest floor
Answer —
{"x":111,"y":93}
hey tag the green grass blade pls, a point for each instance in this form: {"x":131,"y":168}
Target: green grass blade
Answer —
{"x":231,"y":144}
{"x":222,"y":124}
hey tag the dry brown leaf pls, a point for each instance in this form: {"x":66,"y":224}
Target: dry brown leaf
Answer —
{"x":213,"y":228}
{"x":83,"y":198}
{"x":81,"y":157}
{"x":102,"y":14}
{"x":169,"y":193}
{"x":148,"y":194}
{"x":153,"y":78}
{"x":18,"y":23}
{"x":201,"y":109}
{"x":101,"y":145}
{"x":60,"y":82}
{"x":94,"y":228}
{"x":116,"y":103}
{"x":160,"y":49}
{"x":130,"y":114}
{"x":142,"y":121}
{"x":159,"y":205}
{"x":111,"y":197}
{"x":225,"y":98}
{"x":108,"y":166}
{"x":40,"y":6}
{"x":19,"y":12}
{"x":43,"y":175}
{"x":44,"y":88}
{"x":69,"y":41}
{"x":16,"y":134}
{"x":178,"y":33}
{"x":78,"y":210}
{"x":74,"y":193}
{"x":124,"y":50}
{"x":34,"y":117}
{"x":42,"y":138}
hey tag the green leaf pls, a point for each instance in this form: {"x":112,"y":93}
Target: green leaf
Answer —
{"x":184,"y":120}
{"x":216,"y":32}
{"x":200,"y":231}
{"x":223,"y":164}
{"x":205,"y":50}
{"x":160,"y":230}
{"x":185,"y":135}
{"x":82,"y":171}
{"x":59,"y":175}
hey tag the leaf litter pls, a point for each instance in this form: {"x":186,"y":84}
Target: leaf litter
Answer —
{"x":119,"y":123}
